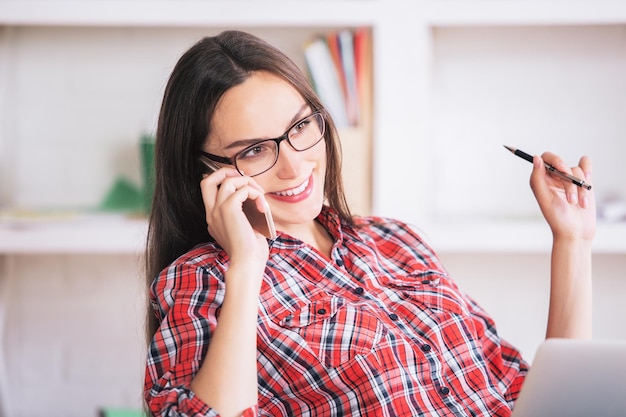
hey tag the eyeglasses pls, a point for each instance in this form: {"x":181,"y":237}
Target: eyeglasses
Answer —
{"x":262,"y":156}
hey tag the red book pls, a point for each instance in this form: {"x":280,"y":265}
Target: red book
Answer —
{"x":364,"y":72}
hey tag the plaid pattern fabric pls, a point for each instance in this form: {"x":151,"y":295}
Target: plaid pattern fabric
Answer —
{"x":379,"y":329}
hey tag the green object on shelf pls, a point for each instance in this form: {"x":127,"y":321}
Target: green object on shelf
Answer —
{"x":126,"y":196}
{"x":123,"y":196}
{"x":121,"y":412}
{"x":147,"y":166}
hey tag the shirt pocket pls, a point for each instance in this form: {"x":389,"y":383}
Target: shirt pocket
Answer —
{"x":335,"y":330}
{"x":429,"y":289}
{"x":436,"y":309}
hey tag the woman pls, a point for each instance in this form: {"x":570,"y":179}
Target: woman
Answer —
{"x":338,"y":315}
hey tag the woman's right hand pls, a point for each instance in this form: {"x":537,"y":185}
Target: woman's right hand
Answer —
{"x":232,"y":350}
{"x":223,"y":194}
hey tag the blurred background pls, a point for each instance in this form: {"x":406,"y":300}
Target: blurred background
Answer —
{"x":447,"y":83}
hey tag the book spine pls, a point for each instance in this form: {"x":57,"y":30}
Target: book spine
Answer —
{"x":325,"y":79}
{"x":346,"y":44}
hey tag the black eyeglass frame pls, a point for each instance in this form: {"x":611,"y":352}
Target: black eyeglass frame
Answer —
{"x":285,"y":136}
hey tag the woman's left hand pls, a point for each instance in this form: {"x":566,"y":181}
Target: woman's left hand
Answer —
{"x":570,"y":210}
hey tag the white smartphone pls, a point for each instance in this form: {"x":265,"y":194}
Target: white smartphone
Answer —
{"x":261,"y":222}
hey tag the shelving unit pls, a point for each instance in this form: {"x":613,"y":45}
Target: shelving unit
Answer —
{"x":407,"y":43}
{"x":191,"y":13}
{"x":432,"y":13}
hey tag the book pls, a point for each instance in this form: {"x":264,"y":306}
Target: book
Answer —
{"x":325,"y":79}
{"x":332,"y":40}
{"x":346,"y":47}
{"x":363,"y":69}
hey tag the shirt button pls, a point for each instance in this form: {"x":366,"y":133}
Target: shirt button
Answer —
{"x":444,"y":390}
{"x":339,"y":262}
{"x":426,"y":282}
{"x":393,"y":316}
{"x":359,"y":290}
{"x":321,"y":311}
{"x":426,"y":348}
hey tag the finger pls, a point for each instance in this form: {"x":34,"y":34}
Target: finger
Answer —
{"x":226,"y":211}
{"x":210,"y":184}
{"x":230,"y":185}
{"x":570,"y":189}
{"x":261,"y":202}
{"x":585,"y":165}
{"x":581,"y":192}
{"x":227,"y":204}
{"x":551,"y":158}
{"x":583,"y":170}
{"x":242,"y":181}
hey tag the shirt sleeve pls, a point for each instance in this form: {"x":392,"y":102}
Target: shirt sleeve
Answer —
{"x":505,"y":362}
{"x":186,"y":299}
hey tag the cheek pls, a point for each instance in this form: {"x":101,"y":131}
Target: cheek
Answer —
{"x":321,"y":172}
{"x":320,"y":157}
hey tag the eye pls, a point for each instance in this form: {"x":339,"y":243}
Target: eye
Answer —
{"x":300,"y":127}
{"x":259,"y":150}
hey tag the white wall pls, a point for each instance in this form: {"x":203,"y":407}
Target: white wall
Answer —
{"x":74,"y":339}
{"x":558,"y":89}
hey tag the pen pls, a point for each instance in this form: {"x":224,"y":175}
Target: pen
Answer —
{"x":563,"y":175}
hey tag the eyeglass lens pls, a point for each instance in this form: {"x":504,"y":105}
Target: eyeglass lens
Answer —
{"x":262,"y":156}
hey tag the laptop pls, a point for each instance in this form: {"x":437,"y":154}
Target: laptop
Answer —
{"x":585,"y":378}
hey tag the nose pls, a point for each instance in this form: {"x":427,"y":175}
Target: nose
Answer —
{"x":288,"y":161}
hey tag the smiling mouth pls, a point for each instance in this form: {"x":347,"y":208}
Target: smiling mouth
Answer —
{"x":294,"y":191}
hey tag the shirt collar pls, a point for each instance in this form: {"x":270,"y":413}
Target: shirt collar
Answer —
{"x":328,"y":217}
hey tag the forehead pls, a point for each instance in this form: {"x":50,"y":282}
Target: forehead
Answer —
{"x":261,"y":107}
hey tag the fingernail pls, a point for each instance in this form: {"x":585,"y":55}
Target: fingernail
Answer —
{"x":585,"y":202}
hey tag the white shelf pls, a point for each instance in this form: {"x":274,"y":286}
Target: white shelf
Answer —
{"x":514,"y":237}
{"x":127,"y":236}
{"x":220,"y":13}
{"x":404,"y":57}
{"x":92,"y":234}
{"x":186,"y":13}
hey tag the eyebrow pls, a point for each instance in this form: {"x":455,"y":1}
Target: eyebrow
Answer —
{"x":247,"y":142}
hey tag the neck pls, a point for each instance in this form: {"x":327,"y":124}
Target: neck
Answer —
{"x":316,"y":236}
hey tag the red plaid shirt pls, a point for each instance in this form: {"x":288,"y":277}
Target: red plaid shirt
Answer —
{"x":378,"y":330}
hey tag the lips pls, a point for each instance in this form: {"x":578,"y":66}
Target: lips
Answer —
{"x":294,"y":191}
{"x":295,"y":194}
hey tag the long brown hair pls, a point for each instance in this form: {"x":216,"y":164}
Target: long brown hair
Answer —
{"x":200,"y":78}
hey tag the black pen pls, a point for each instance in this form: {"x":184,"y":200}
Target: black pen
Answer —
{"x":563,"y":175}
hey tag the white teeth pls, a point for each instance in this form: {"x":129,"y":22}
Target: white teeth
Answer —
{"x":294,"y":191}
